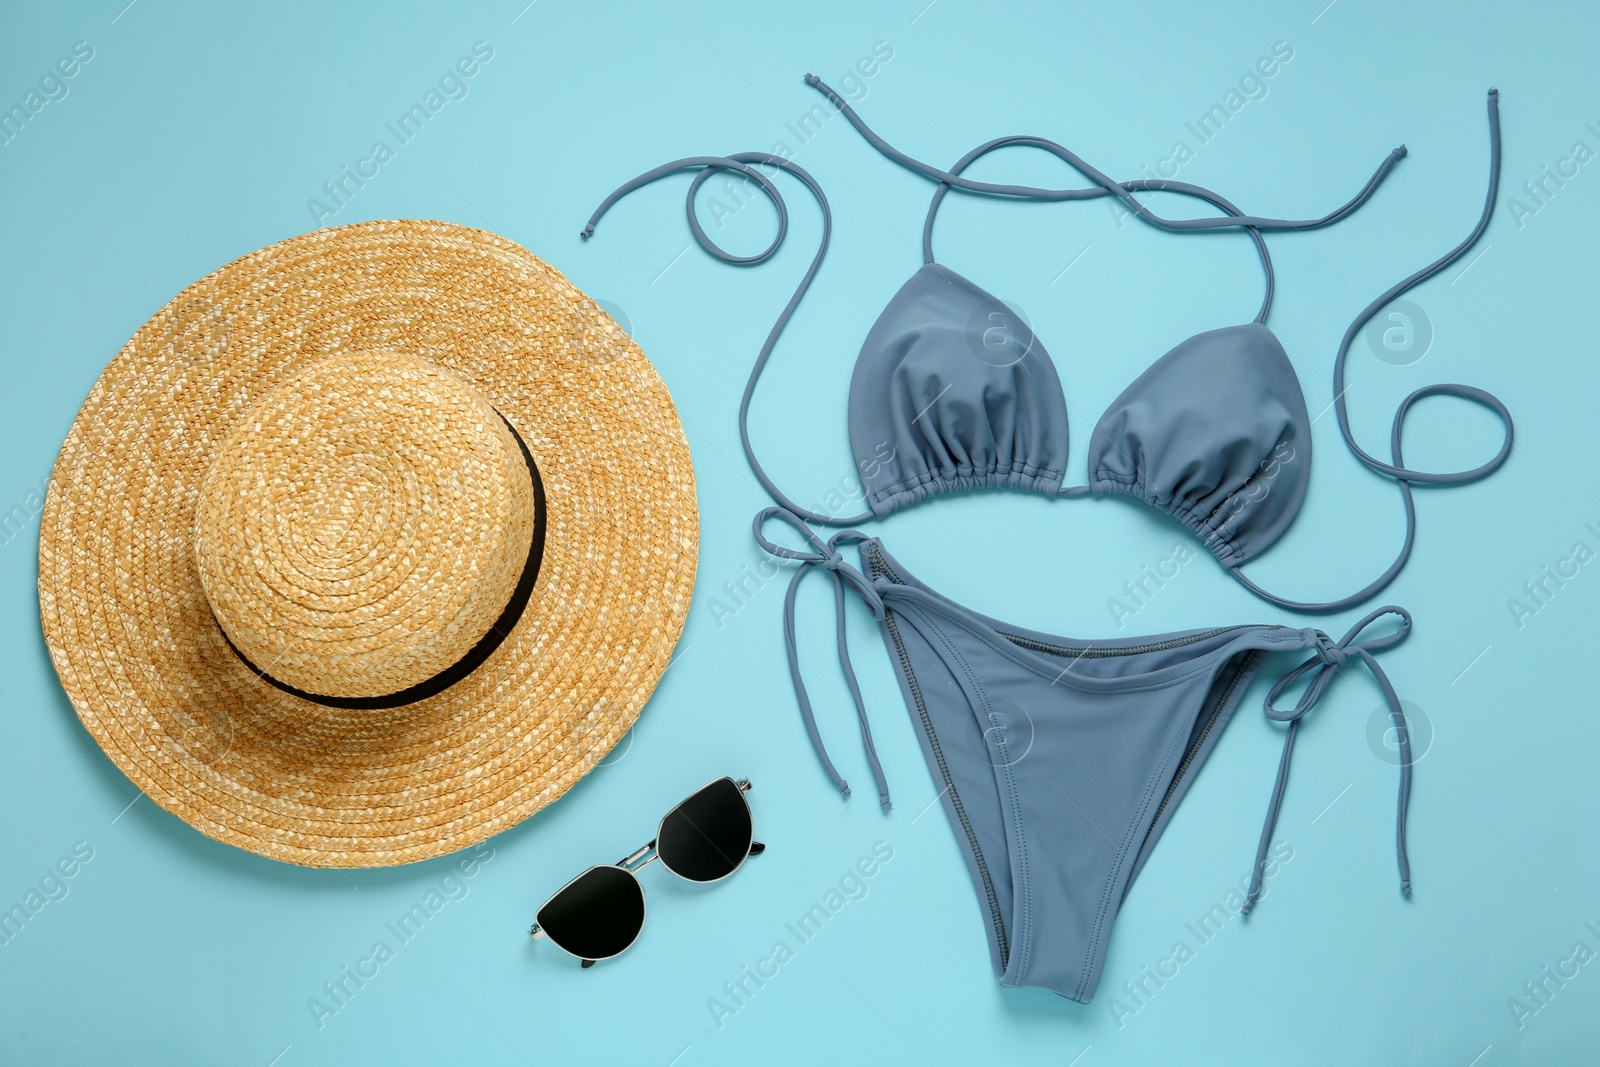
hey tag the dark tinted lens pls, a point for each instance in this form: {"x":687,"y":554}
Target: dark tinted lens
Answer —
{"x":707,"y":836}
{"x":597,"y":916}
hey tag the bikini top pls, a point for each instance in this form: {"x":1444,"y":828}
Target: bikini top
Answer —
{"x":951,"y":391}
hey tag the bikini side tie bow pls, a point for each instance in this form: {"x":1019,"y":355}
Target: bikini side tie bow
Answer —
{"x":826,"y":555}
{"x":1324,"y":667}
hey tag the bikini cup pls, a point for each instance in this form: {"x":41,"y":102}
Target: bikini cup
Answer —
{"x":1215,"y":433}
{"x":952,"y":391}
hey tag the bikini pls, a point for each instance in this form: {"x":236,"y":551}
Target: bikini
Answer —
{"x":1215,"y":434}
{"x":1060,"y":762}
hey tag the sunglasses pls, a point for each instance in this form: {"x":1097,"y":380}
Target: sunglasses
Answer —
{"x":705,"y":838}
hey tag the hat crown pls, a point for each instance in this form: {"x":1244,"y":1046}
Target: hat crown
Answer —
{"x":363,"y":525}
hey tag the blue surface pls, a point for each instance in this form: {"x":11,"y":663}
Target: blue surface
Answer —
{"x":197,"y":133}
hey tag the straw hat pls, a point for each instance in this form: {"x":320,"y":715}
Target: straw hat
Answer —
{"x":369,"y":545}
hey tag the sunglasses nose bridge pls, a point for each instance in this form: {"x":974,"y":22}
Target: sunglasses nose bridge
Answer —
{"x":640,"y":859}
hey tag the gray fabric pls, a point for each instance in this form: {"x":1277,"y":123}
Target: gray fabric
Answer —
{"x":1214,"y":433}
{"x":953,"y":391}
{"x":1059,"y":762}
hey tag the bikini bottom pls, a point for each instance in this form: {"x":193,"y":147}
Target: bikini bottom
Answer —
{"x":1060,"y":762}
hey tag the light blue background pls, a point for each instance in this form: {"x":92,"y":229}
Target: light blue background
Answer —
{"x":198,"y":132}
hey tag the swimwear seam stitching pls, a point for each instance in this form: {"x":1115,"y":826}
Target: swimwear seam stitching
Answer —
{"x":1152,"y":688}
{"x":1062,"y":679}
{"x":1024,"y":907}
{"x":1220,"y":544}
{"x":910,"y":491}
{"x":1116,"y":871}
{"x":1002,"y":940}
{"x":968,"y":470}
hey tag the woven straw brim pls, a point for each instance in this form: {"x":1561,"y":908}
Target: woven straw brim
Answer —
{"x":144,"y":662}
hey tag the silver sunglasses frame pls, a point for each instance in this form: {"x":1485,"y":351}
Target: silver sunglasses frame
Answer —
{"x":641,"y":858}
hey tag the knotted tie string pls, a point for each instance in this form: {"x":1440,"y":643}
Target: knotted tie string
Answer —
{"x":1323,"y":668}
{"x":825,"y":554}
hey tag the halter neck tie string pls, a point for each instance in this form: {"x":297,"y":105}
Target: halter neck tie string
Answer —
{"x":1138,"y":185}
{"x":1405,"y":477}
{"x":748,"y":164}
{"x":1323,"y":667}
{"x":1121,"y":190}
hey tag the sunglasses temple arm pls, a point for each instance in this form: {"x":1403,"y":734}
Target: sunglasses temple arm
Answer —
{"x":745,"y":785}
